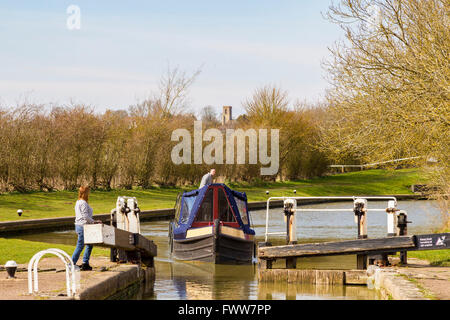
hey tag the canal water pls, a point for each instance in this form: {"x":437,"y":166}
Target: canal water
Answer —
{"x":195,"y":280}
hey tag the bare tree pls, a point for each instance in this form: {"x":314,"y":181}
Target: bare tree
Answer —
{"x":268,"y":105}
{"x":209,"y":115}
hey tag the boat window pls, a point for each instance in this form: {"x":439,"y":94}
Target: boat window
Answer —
{"x":205,"y":213}
{"x":242,"y":209}
{"x":188,"y":203}
{"x":225,"y":212}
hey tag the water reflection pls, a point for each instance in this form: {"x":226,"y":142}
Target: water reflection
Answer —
{"x":291,"y":291}
{"x":189,"y":280}
{"x":206,"y":281}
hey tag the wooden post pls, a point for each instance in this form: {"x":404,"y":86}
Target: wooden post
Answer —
{"x":360,"y":210}
{"x":362,"y":224}
{"x":392,"y":231}
{"x":290,"y":205}
{"x":291,"y":263}
{"x":361,"y":261}
{"x":404,"y":257}
{"x":402,"y":224}
{"x":292,"y":229}
{"x":264,"y":264}
{"x":363,"y":227}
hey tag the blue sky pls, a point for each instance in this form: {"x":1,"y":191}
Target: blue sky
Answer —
{"x":123,"y":47}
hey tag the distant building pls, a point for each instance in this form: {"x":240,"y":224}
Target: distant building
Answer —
{"x":227,"y":117}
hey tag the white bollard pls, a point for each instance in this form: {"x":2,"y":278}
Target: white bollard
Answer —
{"x":391,"y":210}
{"x":127,"y":214}
{"x":133,"y":217}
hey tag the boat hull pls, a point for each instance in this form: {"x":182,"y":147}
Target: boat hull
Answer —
{"x":223,"y":247}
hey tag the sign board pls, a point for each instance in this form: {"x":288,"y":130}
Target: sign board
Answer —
{"x":437,"y":241}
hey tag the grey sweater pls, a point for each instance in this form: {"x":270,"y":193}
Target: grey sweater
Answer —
{"x":206,"y":179}
{"x":83,"y":213}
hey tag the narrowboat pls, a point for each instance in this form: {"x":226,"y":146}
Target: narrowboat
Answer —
{"x":212,"y":224}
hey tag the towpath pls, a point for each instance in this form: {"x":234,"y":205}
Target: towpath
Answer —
{"x":51,"y":279}
{"x":434,"y":282}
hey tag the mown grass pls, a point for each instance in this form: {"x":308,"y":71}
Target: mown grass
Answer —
{"x":22,"y":251}
{"x":370,"y":182}
{"x":439,"y":258}
{"x":38,"y":205}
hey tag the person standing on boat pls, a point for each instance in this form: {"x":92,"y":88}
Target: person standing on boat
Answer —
{"x":83,"y":215}
{"x":207,"y":178}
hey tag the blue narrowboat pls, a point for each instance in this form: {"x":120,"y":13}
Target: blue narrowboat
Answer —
{"x":212,"y":224}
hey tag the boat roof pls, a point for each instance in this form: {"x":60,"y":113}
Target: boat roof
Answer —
{"x":237,"y":200}
{"x":240,"y":195}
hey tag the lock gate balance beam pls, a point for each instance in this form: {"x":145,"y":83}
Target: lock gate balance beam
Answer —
{"x":108,"y":236}
{"x":267,"y":253}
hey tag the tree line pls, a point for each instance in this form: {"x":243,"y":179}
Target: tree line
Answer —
{"x":60,"y":147}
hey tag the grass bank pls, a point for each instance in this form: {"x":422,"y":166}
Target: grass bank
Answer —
{"x":22,"y":251}
{"x":38,"y":205}
{"x":439,"y":258}
{"x":369,"y":182}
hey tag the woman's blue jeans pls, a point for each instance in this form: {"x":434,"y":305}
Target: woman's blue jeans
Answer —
{"x":80,"y":246}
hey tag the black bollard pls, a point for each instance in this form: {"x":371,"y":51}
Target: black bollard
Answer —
{"x":11,"y":267}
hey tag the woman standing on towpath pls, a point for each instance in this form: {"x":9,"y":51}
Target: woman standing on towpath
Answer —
{"x":83,"y":215}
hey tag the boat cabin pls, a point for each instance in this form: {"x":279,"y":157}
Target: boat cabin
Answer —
{"x":200,"y":208}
